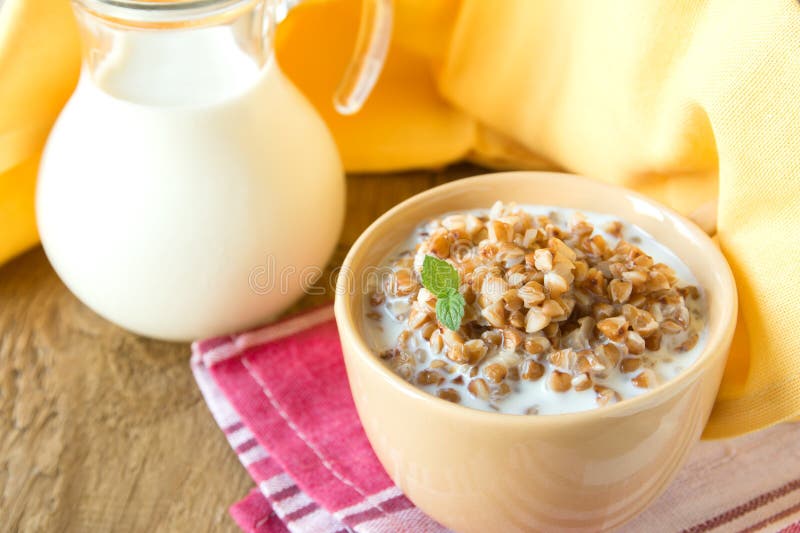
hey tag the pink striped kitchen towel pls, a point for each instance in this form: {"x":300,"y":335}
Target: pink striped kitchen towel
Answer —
{"x":280,"y":394}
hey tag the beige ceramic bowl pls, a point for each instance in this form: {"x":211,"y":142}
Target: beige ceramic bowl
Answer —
{"x":484,"y":472}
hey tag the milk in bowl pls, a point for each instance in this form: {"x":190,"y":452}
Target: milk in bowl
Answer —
{"x":560,"y":310}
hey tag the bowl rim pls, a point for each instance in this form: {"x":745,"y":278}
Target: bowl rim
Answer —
{"x":715,"y":348}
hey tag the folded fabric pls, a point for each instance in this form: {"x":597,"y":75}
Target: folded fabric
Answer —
{"x":284,"y":404}
{"x":280,"y":395}
{"x":39,"y":62}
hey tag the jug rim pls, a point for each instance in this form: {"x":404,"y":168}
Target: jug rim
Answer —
{"x":165,"y":14}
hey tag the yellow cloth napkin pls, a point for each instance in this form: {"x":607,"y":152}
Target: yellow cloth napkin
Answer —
{"x":685,"y":101}
{"x":39,"y":62}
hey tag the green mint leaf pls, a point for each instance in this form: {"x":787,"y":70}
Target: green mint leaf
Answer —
{"x":439,"y":276}
{"x":450,"y":309}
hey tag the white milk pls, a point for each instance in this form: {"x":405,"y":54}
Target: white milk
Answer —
{"x":186,"y":197}
{"x":382,"y":334}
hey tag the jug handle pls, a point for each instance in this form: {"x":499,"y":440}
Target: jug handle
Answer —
{"x":369,"y":54}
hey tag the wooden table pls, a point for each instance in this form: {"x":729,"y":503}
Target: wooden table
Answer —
{"x":102,"y":430}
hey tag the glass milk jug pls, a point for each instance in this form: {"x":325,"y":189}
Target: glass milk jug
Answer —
{"x":188,"y":189}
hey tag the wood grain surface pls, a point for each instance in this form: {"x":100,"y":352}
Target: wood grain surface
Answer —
{"x":103,"y":430}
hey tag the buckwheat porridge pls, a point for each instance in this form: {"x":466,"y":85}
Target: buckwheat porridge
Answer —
{"x":552,"y":310}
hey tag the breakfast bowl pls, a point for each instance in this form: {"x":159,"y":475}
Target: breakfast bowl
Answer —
{"x":474,"y":470}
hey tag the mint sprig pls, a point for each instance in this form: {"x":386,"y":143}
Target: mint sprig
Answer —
{"x":441,"y":278}
{"x":450,"y":309}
